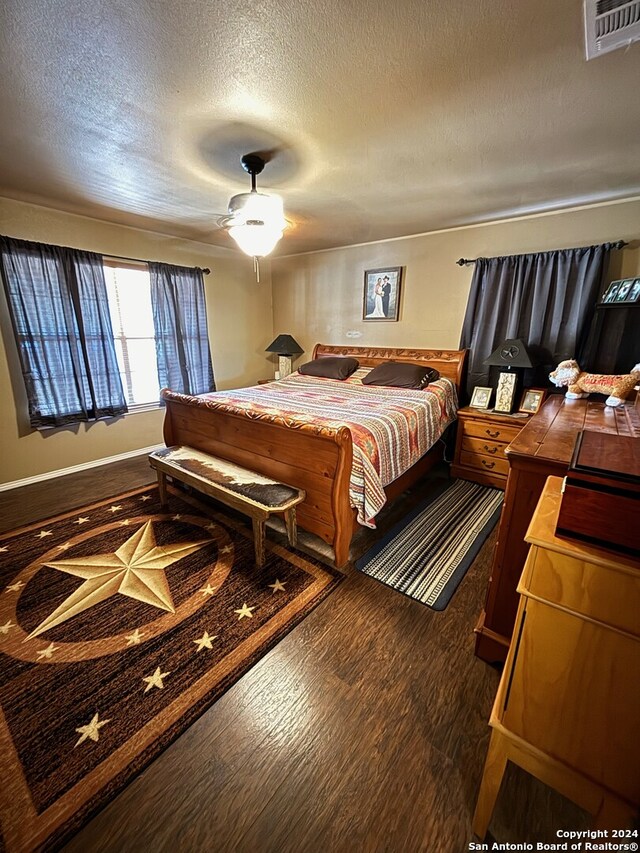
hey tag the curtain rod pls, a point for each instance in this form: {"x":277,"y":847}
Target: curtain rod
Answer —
{"x":462,"y":262}
{"x":205,"y":270}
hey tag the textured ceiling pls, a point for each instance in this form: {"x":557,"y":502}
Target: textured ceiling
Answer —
{"x":384,"y":118}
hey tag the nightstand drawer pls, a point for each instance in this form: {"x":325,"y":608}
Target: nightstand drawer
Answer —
{"x":491,"y":464}
{"x":486,"y":448}
{"x":496,"y":432}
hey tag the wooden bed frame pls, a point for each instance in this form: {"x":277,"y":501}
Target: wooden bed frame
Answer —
{"x":310,"y":457}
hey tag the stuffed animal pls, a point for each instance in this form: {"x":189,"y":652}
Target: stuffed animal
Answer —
{"x":580,"y":384}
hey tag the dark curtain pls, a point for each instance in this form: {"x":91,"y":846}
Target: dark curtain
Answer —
{"x":180,"y":320}
{"x":546,"y":299}
{"x":57,"y":300}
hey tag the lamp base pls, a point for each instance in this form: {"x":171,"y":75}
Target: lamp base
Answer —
{"x":505,"y":392}
{"x":284,"y":364}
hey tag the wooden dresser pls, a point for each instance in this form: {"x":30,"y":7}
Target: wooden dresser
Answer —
{"x":542,"y":449}
{"x":481,"y":442}
{"x":568,"y":704}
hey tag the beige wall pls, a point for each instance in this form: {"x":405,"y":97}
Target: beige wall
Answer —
{"x":240,"y":326}
{"x":318,"y":297}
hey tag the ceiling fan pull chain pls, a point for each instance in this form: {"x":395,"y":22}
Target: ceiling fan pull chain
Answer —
{"x":256,"y":268}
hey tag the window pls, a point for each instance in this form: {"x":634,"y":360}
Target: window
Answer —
{"x":129,"y":294}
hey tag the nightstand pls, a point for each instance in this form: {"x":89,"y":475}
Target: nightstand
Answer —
{"x":480,"y":444}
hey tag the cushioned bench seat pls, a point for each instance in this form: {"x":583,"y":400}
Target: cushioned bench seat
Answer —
{"x":253,"y":494}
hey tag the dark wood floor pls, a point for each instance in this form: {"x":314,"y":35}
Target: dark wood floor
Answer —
{"x":364,"y":729}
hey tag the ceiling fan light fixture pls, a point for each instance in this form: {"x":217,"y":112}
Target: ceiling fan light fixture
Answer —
{"x":255,"y":240}
{"x":256,"y":220}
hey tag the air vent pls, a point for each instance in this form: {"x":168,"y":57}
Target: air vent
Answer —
{"x":610,"y":24}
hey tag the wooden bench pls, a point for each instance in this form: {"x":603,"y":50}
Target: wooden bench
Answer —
{"x":236,"y":487}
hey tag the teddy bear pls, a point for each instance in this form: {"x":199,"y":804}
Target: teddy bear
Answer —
{"x":580,"y":384}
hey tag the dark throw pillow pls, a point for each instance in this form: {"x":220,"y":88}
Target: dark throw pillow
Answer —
{"x":401,"y":374}
{"x":330,"y":367}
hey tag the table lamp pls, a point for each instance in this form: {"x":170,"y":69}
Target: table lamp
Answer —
{"x":511,"y":353}
{"x":285,"y":346}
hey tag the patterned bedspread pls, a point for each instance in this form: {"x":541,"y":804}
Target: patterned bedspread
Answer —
{"x":391,"y":427}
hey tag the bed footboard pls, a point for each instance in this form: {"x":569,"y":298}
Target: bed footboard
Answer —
{"x":314,"y":458}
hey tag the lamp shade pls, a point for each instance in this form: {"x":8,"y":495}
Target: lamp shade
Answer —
{"x":285,"y":345}
{"x":510,"y":353}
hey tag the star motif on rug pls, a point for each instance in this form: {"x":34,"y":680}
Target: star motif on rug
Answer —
{"x":48,"y":652}
{"x":277,"y":586}
{"x":4,"y":629}
{"x":3,"y":548}
{"x":205,"y":642}
{"x":114,"y":508}
{"x":245,"y":611}
{"x":135,"y":570}
{"x":145,"y":498}
{"x":92,"y":730}
{"x":64,"y":547}
{"x":208,"y":589}
{"x":211,"y":526}
{"x":44,"y":533}
{"x":82,"y":520}
{"x":155,"y":680}
{"x":125,"y":523}
{"x":135,"y":638}
{"x":227,"y":549}
{"x":176,"y":517}
{"x":14,"y":587}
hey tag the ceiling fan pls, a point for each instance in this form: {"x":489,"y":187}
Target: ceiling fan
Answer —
{"x":254,"y":220}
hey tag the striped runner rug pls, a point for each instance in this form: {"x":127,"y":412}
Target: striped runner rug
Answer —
{"x":428,"y":553}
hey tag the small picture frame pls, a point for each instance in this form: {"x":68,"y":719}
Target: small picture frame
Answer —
{"x":532,"y":400}
{"x":505,"y":392}
{"x":610,"y":293}
{"x":628,"y":291}
{"x":381,"y":297}
{"x":481,"y":397}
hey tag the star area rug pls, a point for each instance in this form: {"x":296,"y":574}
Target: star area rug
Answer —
{"x":427,"y":554}
{"x":119,"y":625}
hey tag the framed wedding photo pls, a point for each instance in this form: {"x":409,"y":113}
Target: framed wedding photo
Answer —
{"x":481,"y":397}
{"x":381,"y":298}
{"x":532,"y":399}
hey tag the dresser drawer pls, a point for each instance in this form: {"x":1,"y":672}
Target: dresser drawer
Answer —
{"x":486,"y":448}
{"x":496,"y":432}
{"x":605,"y":595}
{"x":482,"y":462}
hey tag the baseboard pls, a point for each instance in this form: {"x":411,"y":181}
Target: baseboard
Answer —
{"x":61,"y":472}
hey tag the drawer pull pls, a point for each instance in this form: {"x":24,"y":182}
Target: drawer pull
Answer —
{"x":492,"y":434}
{"x":486,"y":464}
{"x":491,"y":449}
